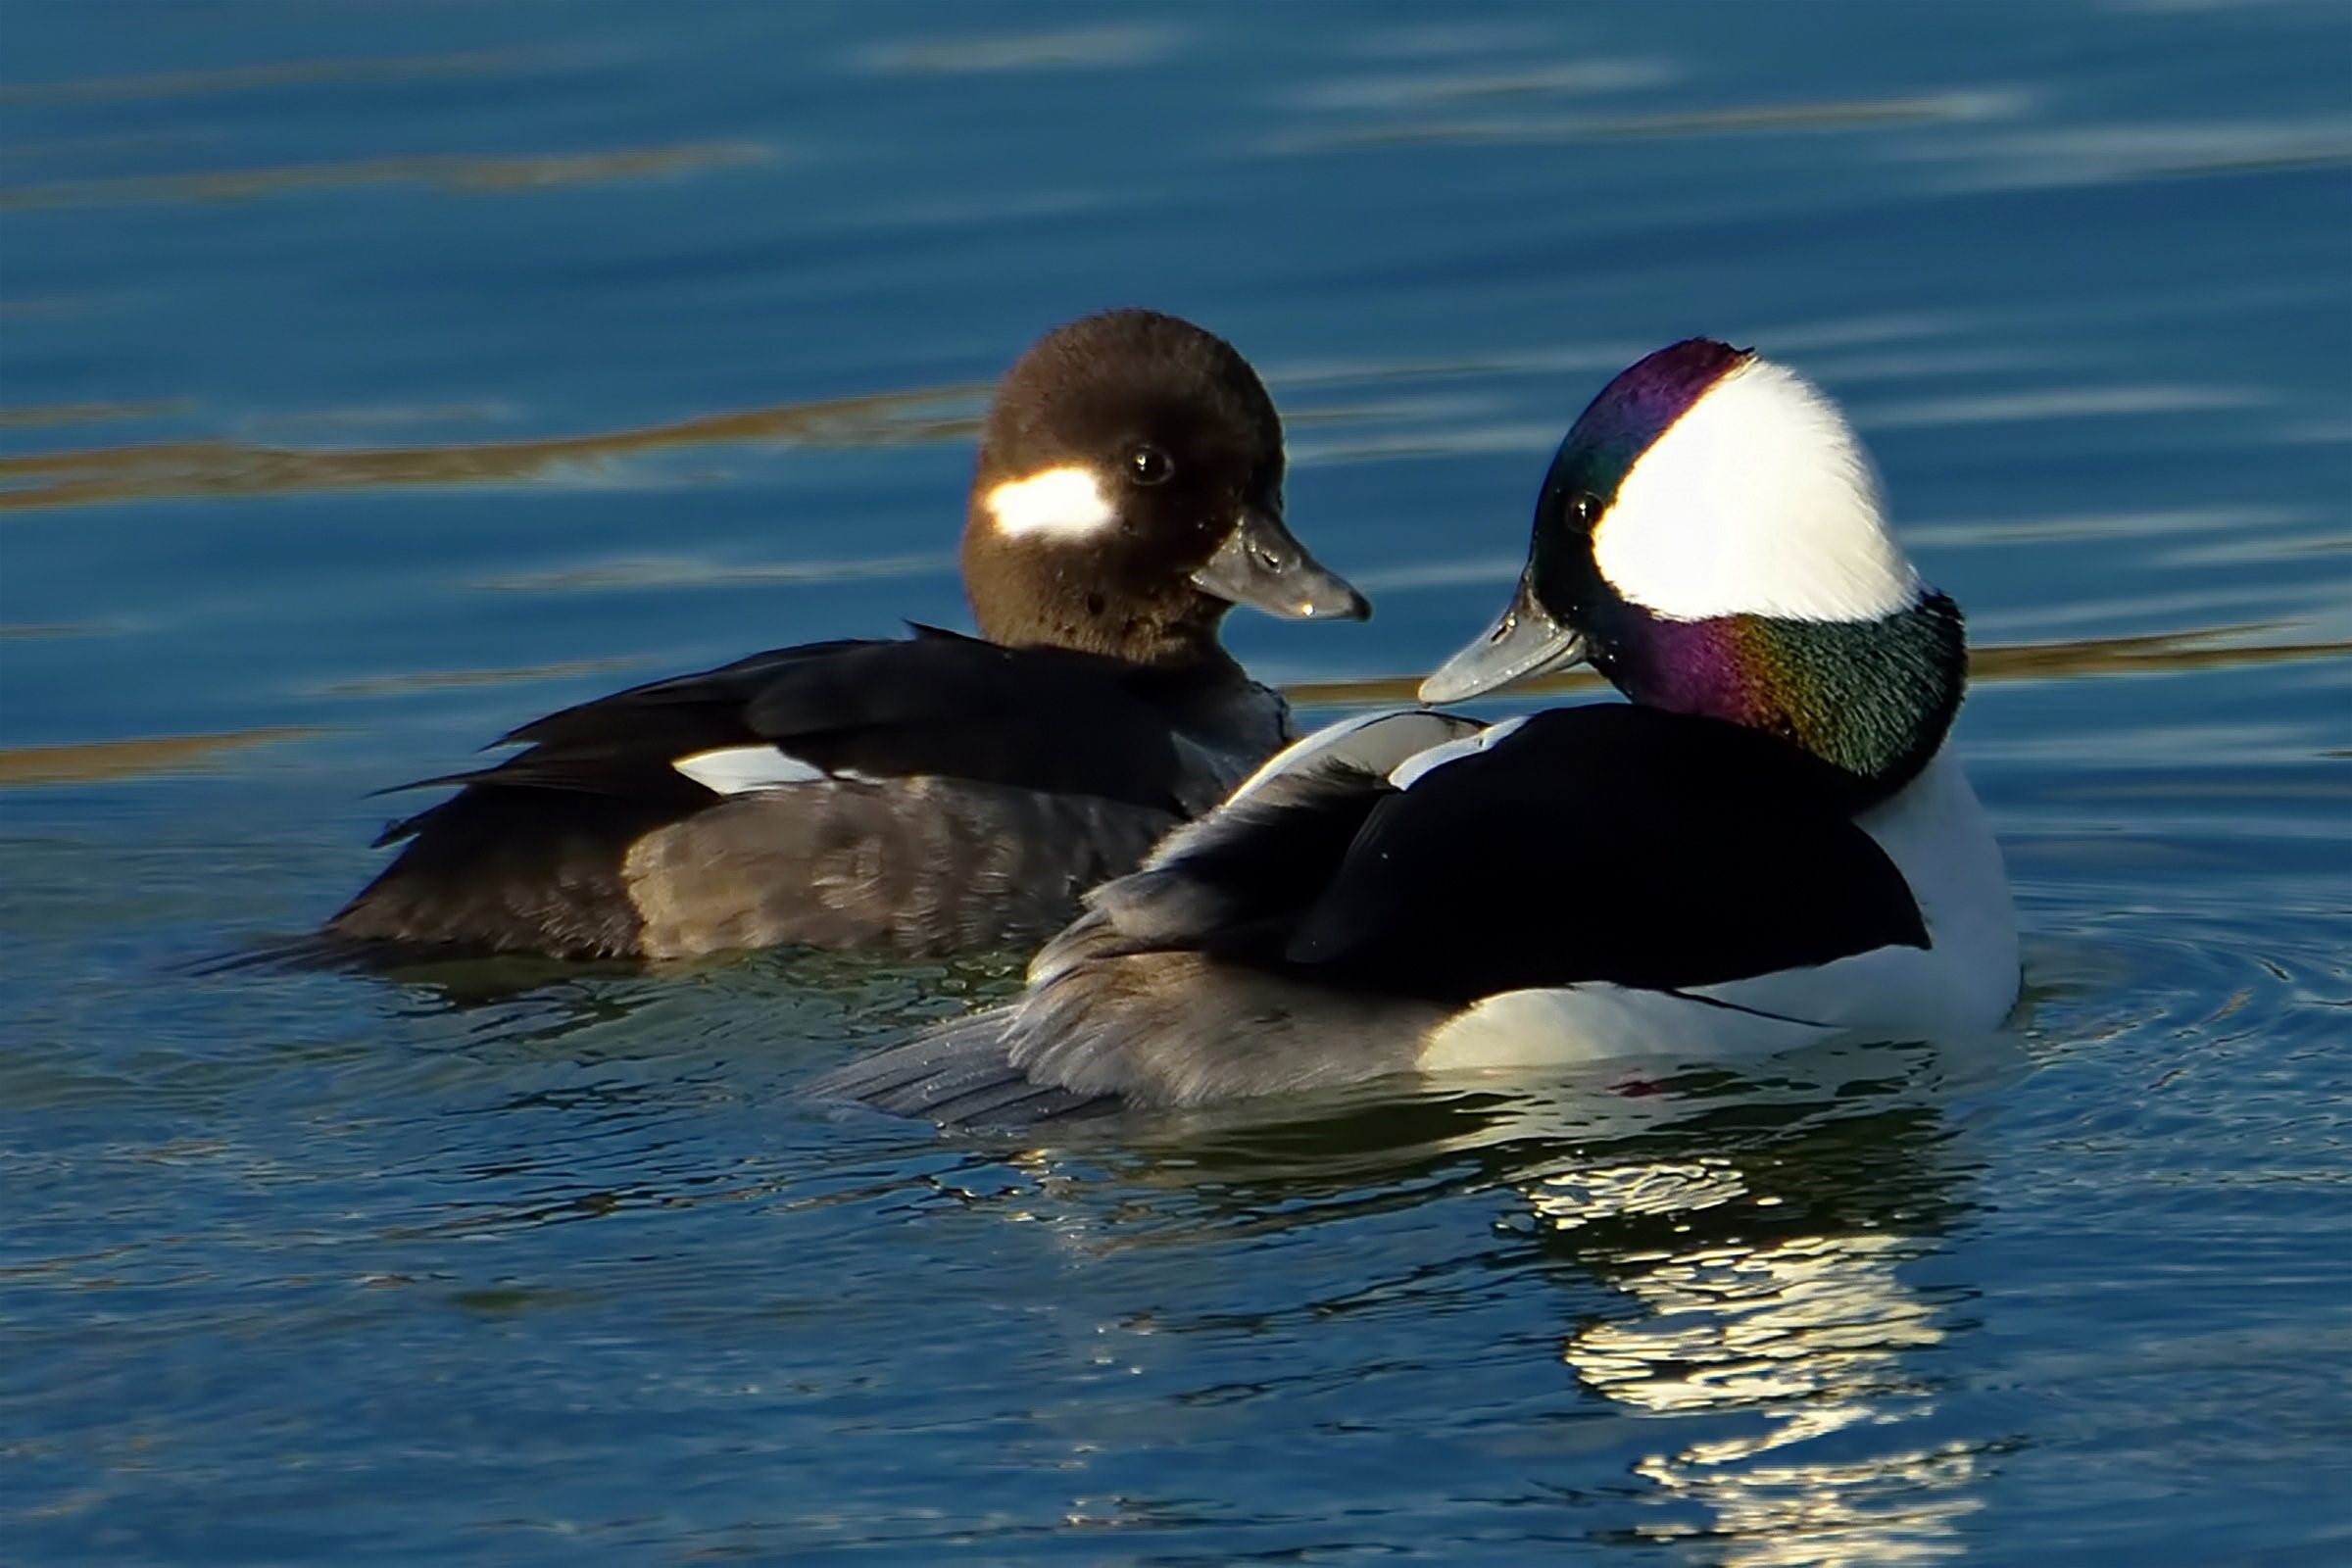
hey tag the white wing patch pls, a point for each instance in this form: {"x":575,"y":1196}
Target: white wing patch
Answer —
{"x":1067,"y":502}
{"x":1758,"y":501}
{"x":1418,"y":765}
{"x":1375,"y":742}
{"x":742,"y":769}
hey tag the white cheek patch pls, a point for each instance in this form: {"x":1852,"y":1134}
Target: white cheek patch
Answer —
{"x":741,"y":769}
{"x":1758,"y":501}
{"x":1066,"y":501}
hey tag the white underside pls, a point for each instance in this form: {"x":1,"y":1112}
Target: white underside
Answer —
{"x":1963,"y":985}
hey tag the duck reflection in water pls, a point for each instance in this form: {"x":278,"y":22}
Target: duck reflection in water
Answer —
{"x":1755,"y":1239}
{"x":1768,"y":1309}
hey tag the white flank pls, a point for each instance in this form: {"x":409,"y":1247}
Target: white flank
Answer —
{"x":1067,"y":500}
{"x":1574,"y":1025}
{"x":741,"y":769}
{"x":1758,"y":501}
{"x":1937,"y":835}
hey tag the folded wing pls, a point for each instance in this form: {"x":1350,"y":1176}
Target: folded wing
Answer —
{"x":1313,"y":929}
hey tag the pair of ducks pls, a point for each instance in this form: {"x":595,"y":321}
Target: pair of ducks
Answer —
{"x":1765,"y":848}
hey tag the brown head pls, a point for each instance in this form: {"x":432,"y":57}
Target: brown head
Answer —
{"x":1129,"y":492}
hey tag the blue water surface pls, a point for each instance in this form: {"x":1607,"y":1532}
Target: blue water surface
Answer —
{"x":375,"y":375}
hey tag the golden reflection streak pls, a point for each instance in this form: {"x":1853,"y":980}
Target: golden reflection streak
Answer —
{"x":1831,"y":114}
{"x":44,"y":416}
{"x":93,"y":761}
{"x":470,"y":175}
{"x":288,"y":73}
{"x":2007,"y":662}
{"x":437,"y":680}
{"x":184,"y":468}
{"x":78,"y":764}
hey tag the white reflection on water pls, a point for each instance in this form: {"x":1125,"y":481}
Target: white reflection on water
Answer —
{"x":2101,"y":155}
{"x":1812,"y":1332}
{"x":2058,"y":402}
{"x":1562,"y":79}
{"x":1109,"y":47}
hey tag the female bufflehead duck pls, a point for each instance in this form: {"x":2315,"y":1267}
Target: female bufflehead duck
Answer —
{"x":1767,"y":847}
{"x":937,"y":793}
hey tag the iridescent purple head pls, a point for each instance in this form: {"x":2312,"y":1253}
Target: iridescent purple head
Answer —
{"x":1631,"y":412}
{"x":1711,"y":537}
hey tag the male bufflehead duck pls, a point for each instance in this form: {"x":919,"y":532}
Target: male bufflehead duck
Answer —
{"x":1769,"y":847}
{"x":937,"y":793}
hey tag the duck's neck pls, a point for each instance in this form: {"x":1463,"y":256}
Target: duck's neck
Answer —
{"x":1871,"y":698}
{"x":1042,"y":598}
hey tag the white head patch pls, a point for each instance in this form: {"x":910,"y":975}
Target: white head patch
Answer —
{"x":1758,"y":501}
{"x":1066,"y":501}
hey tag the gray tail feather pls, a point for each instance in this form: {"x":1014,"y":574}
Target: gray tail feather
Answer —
{"x":959,"y":1073}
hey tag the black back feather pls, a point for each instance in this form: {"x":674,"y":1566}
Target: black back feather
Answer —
{"x":1606,"y":843}
{"x":938,"y":704}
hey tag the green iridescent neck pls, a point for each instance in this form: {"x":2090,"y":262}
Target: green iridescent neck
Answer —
{"x":1873,"y":697}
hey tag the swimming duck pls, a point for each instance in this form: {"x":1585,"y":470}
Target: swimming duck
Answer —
{"x":1768,"y":845}
{"x":935,"y":793}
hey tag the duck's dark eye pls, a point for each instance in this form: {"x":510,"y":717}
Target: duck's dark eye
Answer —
{"x":1584,"y":509}
{"x":1150,"y":466}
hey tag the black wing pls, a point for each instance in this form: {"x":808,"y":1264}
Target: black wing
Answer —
{"x":933,"y":741}
{"x":1607,"y":843}
{"x":937,"y":703}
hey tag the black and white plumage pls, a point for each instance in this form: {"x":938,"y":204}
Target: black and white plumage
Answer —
{"x":1768,"y":848}
{"x":1606,"y":843}
{"x":927,"y":795}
